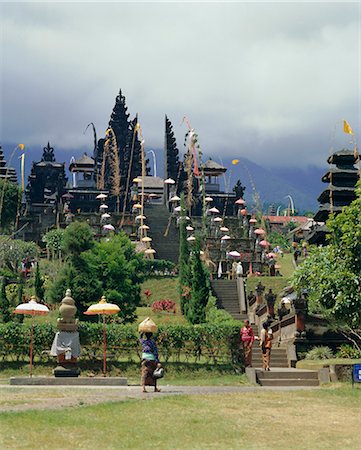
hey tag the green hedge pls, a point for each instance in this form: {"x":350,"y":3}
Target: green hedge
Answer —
{"x":216,"y":344}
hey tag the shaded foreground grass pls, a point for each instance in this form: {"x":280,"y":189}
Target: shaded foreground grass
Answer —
{"x":320,"y":419}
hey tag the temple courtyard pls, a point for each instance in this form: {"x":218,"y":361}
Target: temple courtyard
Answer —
{"x":180,"y":417}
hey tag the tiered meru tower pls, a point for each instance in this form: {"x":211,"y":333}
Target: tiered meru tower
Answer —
{"x":6,"y":173}
{"x":341,"y":181}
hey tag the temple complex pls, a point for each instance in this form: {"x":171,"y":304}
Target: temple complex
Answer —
{"x":6,"y":173}
{"x":341,"y":177}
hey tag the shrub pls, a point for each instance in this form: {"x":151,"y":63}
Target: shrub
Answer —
{"x":164,"y":305}
{"x":215,"y":315}
{"x":348,"y":351}
{"x":319,"y":353}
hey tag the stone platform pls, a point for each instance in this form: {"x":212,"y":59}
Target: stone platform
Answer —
{"x":68,"y":381}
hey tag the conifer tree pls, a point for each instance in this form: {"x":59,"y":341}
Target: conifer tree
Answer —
{"x":39,"y":284}
{"x":4,"y":303}
{"x":184,"y":272}
{"x":171,"y":152}
{"x":196,"y":312}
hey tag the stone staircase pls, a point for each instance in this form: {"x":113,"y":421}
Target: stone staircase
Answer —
{"x":167,"y":247}
{"x":227,"y":297}
{"x":287,"y":377}
{"x":278,"y":356}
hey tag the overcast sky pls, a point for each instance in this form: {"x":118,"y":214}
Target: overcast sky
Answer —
{"x":267,"y":81}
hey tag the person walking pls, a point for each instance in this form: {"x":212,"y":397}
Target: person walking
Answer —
{"x":266,"y":345}
{"x":150,"y":361}
{"x":247,"y":339}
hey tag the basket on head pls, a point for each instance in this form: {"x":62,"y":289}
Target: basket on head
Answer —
{"x":147,"y":326}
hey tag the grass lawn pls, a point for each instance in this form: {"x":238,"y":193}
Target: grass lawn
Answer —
{"x":319,"y":419}
{"x":310,"y":364}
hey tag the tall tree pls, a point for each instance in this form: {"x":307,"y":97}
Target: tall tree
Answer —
{"x":39,"y":284}
{"x":171,"y":152}
{"x":184,"y":269}
{"x":4,"y":303}
{"x":196,"y":312}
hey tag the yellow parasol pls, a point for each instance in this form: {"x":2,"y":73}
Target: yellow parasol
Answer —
{"x":104,"y":309}
{"x":33,"y":309}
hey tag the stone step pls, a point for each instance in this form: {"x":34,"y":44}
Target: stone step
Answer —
{"x":288,"y":375}
{"x":289,"y":382}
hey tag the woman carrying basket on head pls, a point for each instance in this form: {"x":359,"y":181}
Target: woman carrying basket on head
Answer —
{"x":150,"y":360}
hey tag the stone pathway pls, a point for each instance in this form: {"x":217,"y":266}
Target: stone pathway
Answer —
{"x":23,"y":398}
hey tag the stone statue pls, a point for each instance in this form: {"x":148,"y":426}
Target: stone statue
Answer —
{"x":66,"y":346}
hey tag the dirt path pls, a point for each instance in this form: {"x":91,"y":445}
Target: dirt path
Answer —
{"x":23,"y":398}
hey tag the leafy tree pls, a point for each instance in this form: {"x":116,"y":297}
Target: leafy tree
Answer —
{"x":54,"y":240}
{"x":39,"y":284}
{"x":9,"y":201}
{"x":4,"y":303}
{"x":119,"y":269}
{"x":78,"y":237}
{"x":332,"y":274}
{"x":13,"y":251}
{"x":184,"y":254}
{"x":196,"y":311}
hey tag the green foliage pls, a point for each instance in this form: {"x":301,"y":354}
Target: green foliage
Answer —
{"x":184,"y":255}
{"x":78,"y":238}
{"x":39,"y":284}
{"x":332,"y":274}
{"x":348,"y":351}
{"x":278,"y":239}
{"x":200,"y":288}
{"x":4,"y":303}
{"x":11,"y":194}
{"x":215,"y":315}
{"x":111,"y":268}
{"x":155,"y":267}
{"x":13,"y":251}
{"x":211,"y":343}
{"x":319,"y":353}
{"x":54,"y":240}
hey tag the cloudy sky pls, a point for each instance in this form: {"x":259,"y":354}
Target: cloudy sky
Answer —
{"x":267,"y":81}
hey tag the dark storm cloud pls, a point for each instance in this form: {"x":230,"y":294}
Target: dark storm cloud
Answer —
{"x":264,"y":81}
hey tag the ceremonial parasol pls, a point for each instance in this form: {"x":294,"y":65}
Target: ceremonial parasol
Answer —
{"x":33,"y":309}
{"x":240,"y":201}
{"x":191,"y":238}
{"x":137,"y":180}
{"x":175,"y":199}
{"x":244,"y":212}
{"x":140,"y":217}
{"x":259,"y":231}
{"x":101,"y":196}
{"x":225,"y":237}
{"x":271,"y":255}
{"x":252,"y":221}
{"x":224,"y":229}
{"x":67,"y":195}
{"x":169,"y":181}
{"x":109,"y":227}
{"x":264,"y":243}
{"x":105,"y":216}
{"x":103,"y":308}
{"x":208,"y":199}
{"x":137,"y":206}
{"x":103,"y":206}
{"x":189,"y":228}
{"x":144,"y":227}
{"x":177,"y":209}
{"x":150,"y":251}
{"x":218,"y":219}
{"x":154,"y":196}
{"x":234,"y":254}
{"x":213,"y":210}
{"x":146,"y":239}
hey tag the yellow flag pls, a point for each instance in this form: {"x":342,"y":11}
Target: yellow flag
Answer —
{"x":346,"y":128}
{"x":235,"y":161}
{"x":137,"y":127}
{"x":21,"y":146}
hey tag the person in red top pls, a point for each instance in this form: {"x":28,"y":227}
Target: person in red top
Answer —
{"x":247,"y":338}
